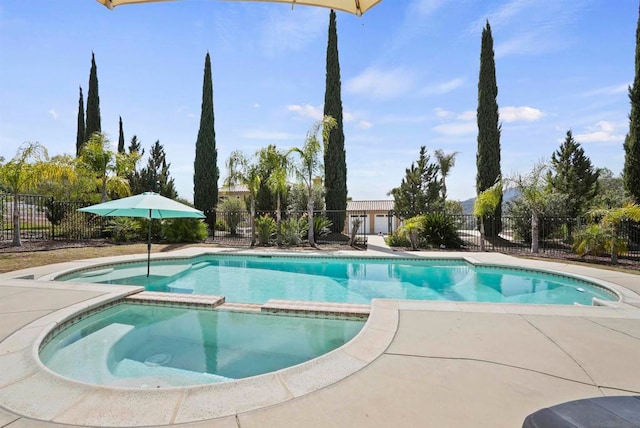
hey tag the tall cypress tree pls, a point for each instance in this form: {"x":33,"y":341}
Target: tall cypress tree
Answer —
{"x":81,"y":132}
{"x":632,"y":141}
{"x":121,"y":139}
{"x":488,"y":155}
{"x":93,"y":102}
{"x":205,"y":167}
{"x":335,"y":165}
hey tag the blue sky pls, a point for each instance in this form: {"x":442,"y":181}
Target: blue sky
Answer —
{"x":409,"y":78}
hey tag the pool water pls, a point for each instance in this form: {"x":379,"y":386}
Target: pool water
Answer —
{"x":147,"y":346}
{"x":256,"y":279}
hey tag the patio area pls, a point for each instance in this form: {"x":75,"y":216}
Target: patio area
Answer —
{"x":436,"y":363}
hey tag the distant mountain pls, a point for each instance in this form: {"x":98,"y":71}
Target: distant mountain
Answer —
{"x":510,"y":194}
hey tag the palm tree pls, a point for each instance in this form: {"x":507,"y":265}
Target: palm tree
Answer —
{"x":445,"y":162}
{"x":243,"y":171}
{"x":310,"y":164}
{"x":110,"y":168}
{"x":277,"y":162}
{"x":535,"y":192}
{"x":30,"y":167}
{"x":609,"y":228}
{"x":485,"y":205}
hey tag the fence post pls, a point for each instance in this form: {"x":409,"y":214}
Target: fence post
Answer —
{"x":52,"y":215}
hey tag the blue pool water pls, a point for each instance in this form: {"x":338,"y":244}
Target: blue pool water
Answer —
{"x":146,"y":346}
{"x":256,"y":279}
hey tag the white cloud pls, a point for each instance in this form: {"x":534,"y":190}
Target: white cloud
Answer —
{"x":424,"y":8}
{"x":54,"y":114}
{"x":348,"y":117}
{"x":381,"y":84}
{"x":601,"y":132}
{"x":458,"y":128}
{"x":520,"y":114}
{"x":442,"y":88}
{"x":364,"y":124}
{"x":307,"y":110}
{"x":608,"y":90}
{"x":442,"y":113}
{"x":468,"y":115}
{"x":266,"y":135}
{"x":503,"y":15}
{"x":256,"y":105}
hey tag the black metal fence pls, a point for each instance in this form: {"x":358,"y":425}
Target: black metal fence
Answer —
{"x":42,"y":218}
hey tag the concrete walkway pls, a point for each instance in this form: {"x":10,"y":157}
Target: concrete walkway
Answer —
{"x":446,"y":364}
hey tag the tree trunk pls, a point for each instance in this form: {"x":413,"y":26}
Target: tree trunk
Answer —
{"x":482,"y":233}
{"x":354,"y":231}
{"x":614,"y":247}
{"x":278,"y":221}
{"x":534,"y":232}
{"x":104,"y":189}
{"x":253,"y":222}
{"x":312,"y":242}
{"x":16,"y":221}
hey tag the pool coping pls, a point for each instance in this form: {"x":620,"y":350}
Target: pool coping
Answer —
{"x":71,"y":402}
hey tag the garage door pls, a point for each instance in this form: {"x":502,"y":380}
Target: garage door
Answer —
{"x":364,"y":227}
{"x":381,"y":224}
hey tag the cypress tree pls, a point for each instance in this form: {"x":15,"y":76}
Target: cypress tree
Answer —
{"x":205,"y":168}
{"x":93,"y":102}
{"x":488,"y":154}
{"x":121,"y":139}
{"x":632,"y":140}
{"x":135,"y":182}
{"x":81,"y":132}
{"x":335,"y":166}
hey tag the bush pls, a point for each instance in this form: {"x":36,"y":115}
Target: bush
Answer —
{"x":125,"y":229}
{"x":292,"y":230}
{"x":232,"y":209}
{"x":550,"y":220}
{"x":439,"y":229}
{"x":221,"y":225}
{"x":265,"y":229}
{"x":76,"y":225}
{"x":179,"y":230}
{"x":398,"y":238}
{"x":321,"y":226}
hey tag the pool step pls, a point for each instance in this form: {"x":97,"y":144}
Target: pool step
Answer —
{"x":241,"y":307}
{"x":191,"y":300}
{"x":317,"y":308}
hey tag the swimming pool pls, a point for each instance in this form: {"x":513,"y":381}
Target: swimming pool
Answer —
{"x":257,"y":279}
{"x":146,"y":346}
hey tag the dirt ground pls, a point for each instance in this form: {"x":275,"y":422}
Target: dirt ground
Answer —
{"x":12,"y":258}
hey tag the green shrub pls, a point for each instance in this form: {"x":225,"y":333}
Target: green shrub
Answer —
{"x":232,"y":209}
{"x":179,"y":230}
{"x":321,"y":226}
{"x":76,"y":225}
{"x":125,"y":229}
{"x":440,"y":229}
{"x":221,"y":225}
{"x":265,"y":229}
{"x":398,"y":238}
{"x":293,"y":230}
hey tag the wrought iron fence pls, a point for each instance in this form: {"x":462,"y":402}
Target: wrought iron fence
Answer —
{"x":43,"y":218}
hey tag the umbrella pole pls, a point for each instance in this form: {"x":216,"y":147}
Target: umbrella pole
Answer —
{"x":149,"y":244}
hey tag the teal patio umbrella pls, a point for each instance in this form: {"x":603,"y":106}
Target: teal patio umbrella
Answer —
{"x":147,"y":205}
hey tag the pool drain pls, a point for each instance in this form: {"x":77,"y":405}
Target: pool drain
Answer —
{"x":157,"y":359}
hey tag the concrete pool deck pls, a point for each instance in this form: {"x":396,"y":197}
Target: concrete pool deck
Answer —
{"x":420,"y":364}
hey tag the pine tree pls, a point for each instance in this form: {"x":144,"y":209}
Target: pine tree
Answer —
{"x":335,"y":166}
{"x":206,"y":173}
{"x":419,"y":191}
{"x":135,"y":182}
{"x":632,"y":141}
{"x":81,"y":132}
{"x":574,"y":176}
{"x":93,"y":102}
{"x":488,"y":155}
{"x":155,"y":176}
{"x":121,"y":138}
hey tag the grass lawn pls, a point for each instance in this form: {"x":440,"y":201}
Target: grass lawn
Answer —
{"x":16,"y":260}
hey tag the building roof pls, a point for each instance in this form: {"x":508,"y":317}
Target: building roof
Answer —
{"x":370,"y":205}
